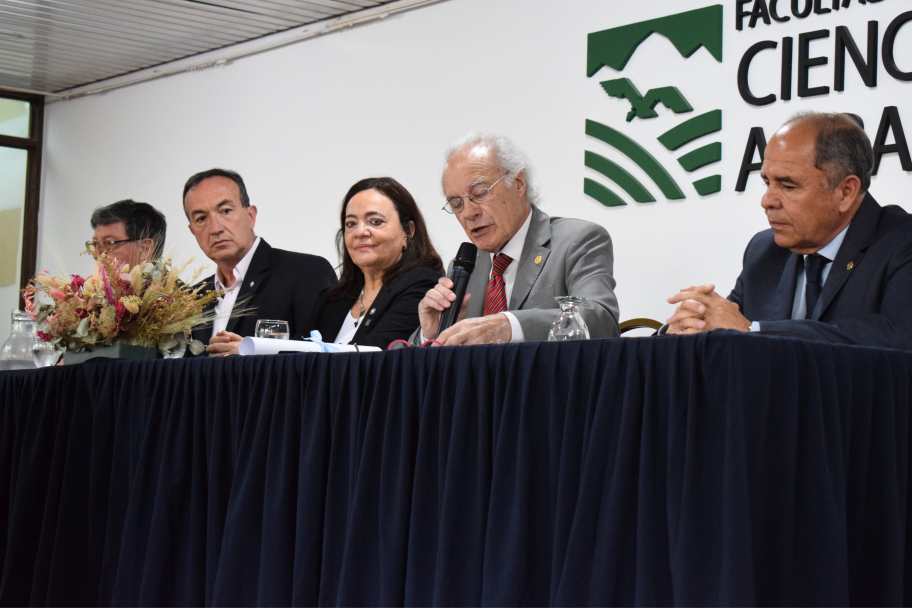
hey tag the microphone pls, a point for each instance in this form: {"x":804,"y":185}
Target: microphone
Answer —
{"x":463,"y":266}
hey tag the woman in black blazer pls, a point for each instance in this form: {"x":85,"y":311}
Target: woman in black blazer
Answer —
{"x":388,"y":264}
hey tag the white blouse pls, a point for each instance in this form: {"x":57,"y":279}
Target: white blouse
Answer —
{"x":348,"y":330}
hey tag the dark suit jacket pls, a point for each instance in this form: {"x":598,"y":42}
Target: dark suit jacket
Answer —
{"x":866,"y":297}
{"x":392,"y":315}
{"x":281,"y":285}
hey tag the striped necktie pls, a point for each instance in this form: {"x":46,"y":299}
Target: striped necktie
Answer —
{"x":496,"y":294}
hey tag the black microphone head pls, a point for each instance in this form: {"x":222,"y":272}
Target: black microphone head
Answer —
{"x":465,"y":257}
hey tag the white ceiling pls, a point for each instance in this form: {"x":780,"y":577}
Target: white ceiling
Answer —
{"x":54,"y":45}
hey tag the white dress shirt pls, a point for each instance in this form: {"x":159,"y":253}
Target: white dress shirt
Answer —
{"x":348,"y":330}
{"x":225,"y":304}
{"x":799,"y":304}
{"x":513,"y":249}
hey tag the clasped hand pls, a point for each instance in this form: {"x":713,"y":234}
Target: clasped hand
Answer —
{"x":224,"y":343}
{"x":480,"y":330}
{"x":701,"y":309}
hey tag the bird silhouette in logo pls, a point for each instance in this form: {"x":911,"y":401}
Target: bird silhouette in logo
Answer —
{"x":643,"y":106}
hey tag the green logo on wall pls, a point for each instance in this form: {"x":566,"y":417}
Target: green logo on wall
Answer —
{"x":613,"y":48}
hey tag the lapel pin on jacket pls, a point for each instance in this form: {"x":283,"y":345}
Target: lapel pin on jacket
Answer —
{"x":251,"y":283}
{"x":850,"y":266}
{"x":538,"y":259}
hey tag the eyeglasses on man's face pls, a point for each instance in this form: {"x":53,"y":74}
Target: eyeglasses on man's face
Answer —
{"x":94,"y":246}
{"x":479,"y":195}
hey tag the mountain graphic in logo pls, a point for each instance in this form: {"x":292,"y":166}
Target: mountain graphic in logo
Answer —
{"x":613,"y":48}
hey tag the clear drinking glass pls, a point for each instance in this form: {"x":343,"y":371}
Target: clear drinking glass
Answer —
{"x":271,"y":328}
{"x":45,"y":354}
{"x":569,"y":324}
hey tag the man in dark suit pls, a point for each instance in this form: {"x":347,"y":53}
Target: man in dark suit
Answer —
{"x":272,"y":283}
{"x":834,"y":266}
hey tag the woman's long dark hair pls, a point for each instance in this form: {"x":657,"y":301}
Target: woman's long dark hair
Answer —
{"x":419,"y":251}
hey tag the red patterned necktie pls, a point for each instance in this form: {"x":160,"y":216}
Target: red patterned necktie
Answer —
{"x":496,"y":295}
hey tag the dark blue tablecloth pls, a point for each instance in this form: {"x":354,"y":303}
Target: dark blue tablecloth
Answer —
{"x":715,"y":469}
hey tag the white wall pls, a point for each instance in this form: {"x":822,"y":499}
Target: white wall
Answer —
{"x":304,"y":122}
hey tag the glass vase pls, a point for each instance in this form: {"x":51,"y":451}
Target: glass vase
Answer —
{"x":569,"y":324}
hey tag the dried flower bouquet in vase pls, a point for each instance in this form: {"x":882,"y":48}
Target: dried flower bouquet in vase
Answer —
{"x":147,"y":305}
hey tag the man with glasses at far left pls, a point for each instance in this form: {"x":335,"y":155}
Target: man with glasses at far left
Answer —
{"x":129,"y":231}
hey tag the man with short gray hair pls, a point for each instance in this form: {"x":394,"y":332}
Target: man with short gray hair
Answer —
{"x":525,"y":258}
{"x":834,"y":266}
{"x":129,"y":231}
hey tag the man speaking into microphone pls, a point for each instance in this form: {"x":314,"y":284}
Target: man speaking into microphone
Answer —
{"x":525,"y":258}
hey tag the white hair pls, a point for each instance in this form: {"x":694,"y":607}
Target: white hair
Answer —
{"x":503,"y":153}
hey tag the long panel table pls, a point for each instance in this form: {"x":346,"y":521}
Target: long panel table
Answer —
{"x":713,"y":469}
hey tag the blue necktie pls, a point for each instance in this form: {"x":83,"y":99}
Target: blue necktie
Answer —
{"x":813,"y":275}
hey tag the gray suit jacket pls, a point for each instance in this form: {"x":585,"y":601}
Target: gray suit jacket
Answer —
{"x":576,"y":258}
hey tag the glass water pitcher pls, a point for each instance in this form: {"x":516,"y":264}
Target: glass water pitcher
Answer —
{"x":569,"y":324}
{"x":16,"y":352}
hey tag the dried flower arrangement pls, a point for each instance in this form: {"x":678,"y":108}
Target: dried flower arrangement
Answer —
{"x":147,"y":305}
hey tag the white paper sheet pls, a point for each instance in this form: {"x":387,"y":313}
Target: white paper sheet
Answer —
{"x":271,"y":346}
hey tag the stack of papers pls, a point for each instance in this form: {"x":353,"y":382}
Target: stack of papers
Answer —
{"x":271,"y":346}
